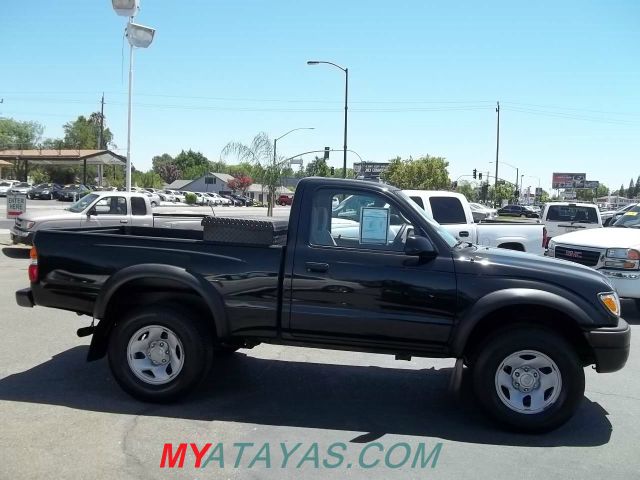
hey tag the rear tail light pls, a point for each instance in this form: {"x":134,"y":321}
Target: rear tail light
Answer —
{"x":545,"y":238}
{"x":33,"y":266}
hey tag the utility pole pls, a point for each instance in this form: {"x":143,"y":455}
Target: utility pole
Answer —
{"x":101,"y":140}
{"x":495,"y":186}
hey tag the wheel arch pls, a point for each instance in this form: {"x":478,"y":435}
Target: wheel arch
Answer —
{"x":512,"y":307}
{"x":134,"y":285}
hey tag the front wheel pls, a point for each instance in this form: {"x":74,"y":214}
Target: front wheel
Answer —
{"x":528,"y":379}
{"x":159,"y":354}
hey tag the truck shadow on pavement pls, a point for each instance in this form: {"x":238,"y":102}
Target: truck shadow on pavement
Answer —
{"x":242,"y":388}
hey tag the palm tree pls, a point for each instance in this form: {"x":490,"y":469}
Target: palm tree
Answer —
{"x":260,"y":153}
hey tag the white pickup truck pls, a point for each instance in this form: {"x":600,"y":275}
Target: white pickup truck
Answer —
{"x":452,"y":211}
{"x":613,"y":251}
{"x":106,"y":209}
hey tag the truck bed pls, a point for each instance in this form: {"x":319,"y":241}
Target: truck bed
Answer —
{"x":77,"y":265}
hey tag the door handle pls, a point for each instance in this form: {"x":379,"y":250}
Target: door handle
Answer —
{"x":124,"y":221}
{"x":464,"y":234}
{"x":316,"y":267}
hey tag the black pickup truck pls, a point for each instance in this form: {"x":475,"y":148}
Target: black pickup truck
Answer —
{"x":380,"y":277}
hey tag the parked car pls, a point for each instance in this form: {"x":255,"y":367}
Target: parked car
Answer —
{"x":216,"y":199}
{"x":610,"y":217}
{"x":5,"y":186}
{"x":166,"y":300}
{"x":285,"y":199}
{"x":45,"y":191}
{"x":517,"y":211}
{"x":107,"y":209}
{"x":71,"y":193}
{"x":565,"y":217}
{"x":244,"y":201}
{"x":613,"y":251}
{"x":452,"y":211}
{"x":235,"y":202}
{"x":481,"y":212}
{"x":21,"y":188}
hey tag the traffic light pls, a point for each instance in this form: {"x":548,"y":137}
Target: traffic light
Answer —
{"x":475,"y":173}
{"x":454,"y":185}
{"x":480,"y":176}
{"x":333,"y":171}
{"x":326,"y":152}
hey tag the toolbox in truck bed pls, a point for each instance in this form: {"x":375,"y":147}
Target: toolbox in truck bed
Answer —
{"x":253,"y":231}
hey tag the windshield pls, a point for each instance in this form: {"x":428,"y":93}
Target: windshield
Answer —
{"x":631,"y":219}
{"x":446,"y":236}
{"x":81,"y":204}
{"x":573,"y":214}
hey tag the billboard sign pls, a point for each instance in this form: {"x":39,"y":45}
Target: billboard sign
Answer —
{"x":568,"y":180}
{"x":591,"y":184}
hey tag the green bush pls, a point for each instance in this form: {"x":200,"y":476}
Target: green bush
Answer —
{"x":190,"y":198}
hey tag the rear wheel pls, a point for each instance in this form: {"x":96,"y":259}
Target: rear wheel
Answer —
{"x":528,"y":379}
{"x":523,"y":215}
{"x":159,"y":354}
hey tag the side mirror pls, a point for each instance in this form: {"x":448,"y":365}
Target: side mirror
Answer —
{"x":419,"y":246}
{"x":91,"y":211}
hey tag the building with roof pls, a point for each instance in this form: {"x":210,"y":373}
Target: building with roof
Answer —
{"x":219,"y":183}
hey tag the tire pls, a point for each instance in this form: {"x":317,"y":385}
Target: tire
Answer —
{"x":192,"y":361}
{"x":553,"y":406}
{"x":523,"y":215}
{"x":154,"y":204}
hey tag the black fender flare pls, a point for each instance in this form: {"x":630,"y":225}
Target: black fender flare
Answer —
{"x":209,"y":295}
{"x":512,"y":297}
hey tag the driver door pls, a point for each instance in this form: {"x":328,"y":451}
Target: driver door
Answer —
{"x":353,"y":283}
{"x":107,"y":212}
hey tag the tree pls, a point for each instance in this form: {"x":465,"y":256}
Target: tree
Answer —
{"x":425,"y":173}
{"x":638,"y":186}
{"x":503,"y":192}
{"x":259,"y":153}
{"x":468,"y":190}
{"x":631,"y":192}
{"x":84,"y":133}
{"x":192,"y":164}
{"x":159,"y":161}
{"x":148,"y":179}
{"x":621,"y":192}
{"x":318,"y":168}
{"x":16,"y":134}
{"x":169,"y":172}
{"x":602,"y":190}
{"x":241,"y":183}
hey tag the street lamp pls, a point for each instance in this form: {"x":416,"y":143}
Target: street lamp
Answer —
{"x":346,"y":98}
{"x":138,"y":36}
{"x":517,"y":173}
{"x":275,"y":163}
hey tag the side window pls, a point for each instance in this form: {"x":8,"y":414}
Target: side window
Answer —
{"x":418,"y":201}
{"x":111,"y":206}
{"x":447,"y":210}
{"x":341,"y":218}
{"x":138,"y":206}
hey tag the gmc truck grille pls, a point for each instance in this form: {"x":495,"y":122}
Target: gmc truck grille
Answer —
{"x":583,"y":257}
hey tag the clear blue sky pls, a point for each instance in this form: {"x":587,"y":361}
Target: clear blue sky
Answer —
{"x":424,"y":78}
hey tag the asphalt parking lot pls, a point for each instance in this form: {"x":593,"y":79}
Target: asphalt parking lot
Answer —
{"x":64,"y":418}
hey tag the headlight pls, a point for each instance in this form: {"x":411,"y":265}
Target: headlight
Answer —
{"x":29,"y":225}
{"x":624,"y":258}
{"x":46,"y":192}
{"x":611,"y":302}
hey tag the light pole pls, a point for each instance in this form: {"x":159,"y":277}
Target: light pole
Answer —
{"x":517,"y":172}
{"x":141,"y":37}
{"x":275,"y":162}
{"x":346,"y":99}
{"x":495,"y":185}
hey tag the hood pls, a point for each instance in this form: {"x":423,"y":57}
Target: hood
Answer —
{"x":49,"y":214}
{"x":609,"y":237}
{"x":501,"y":262}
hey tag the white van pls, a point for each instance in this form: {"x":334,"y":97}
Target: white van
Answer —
{"x":565,"y":217}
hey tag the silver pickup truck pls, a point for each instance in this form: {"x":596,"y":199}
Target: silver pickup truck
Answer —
{"x":106,"y":209}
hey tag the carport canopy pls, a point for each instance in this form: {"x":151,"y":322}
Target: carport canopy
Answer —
{"x":63,"y":157}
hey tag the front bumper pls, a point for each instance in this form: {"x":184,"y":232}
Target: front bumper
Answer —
{"x":21,"y":236}
{"x":610,"y":346}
